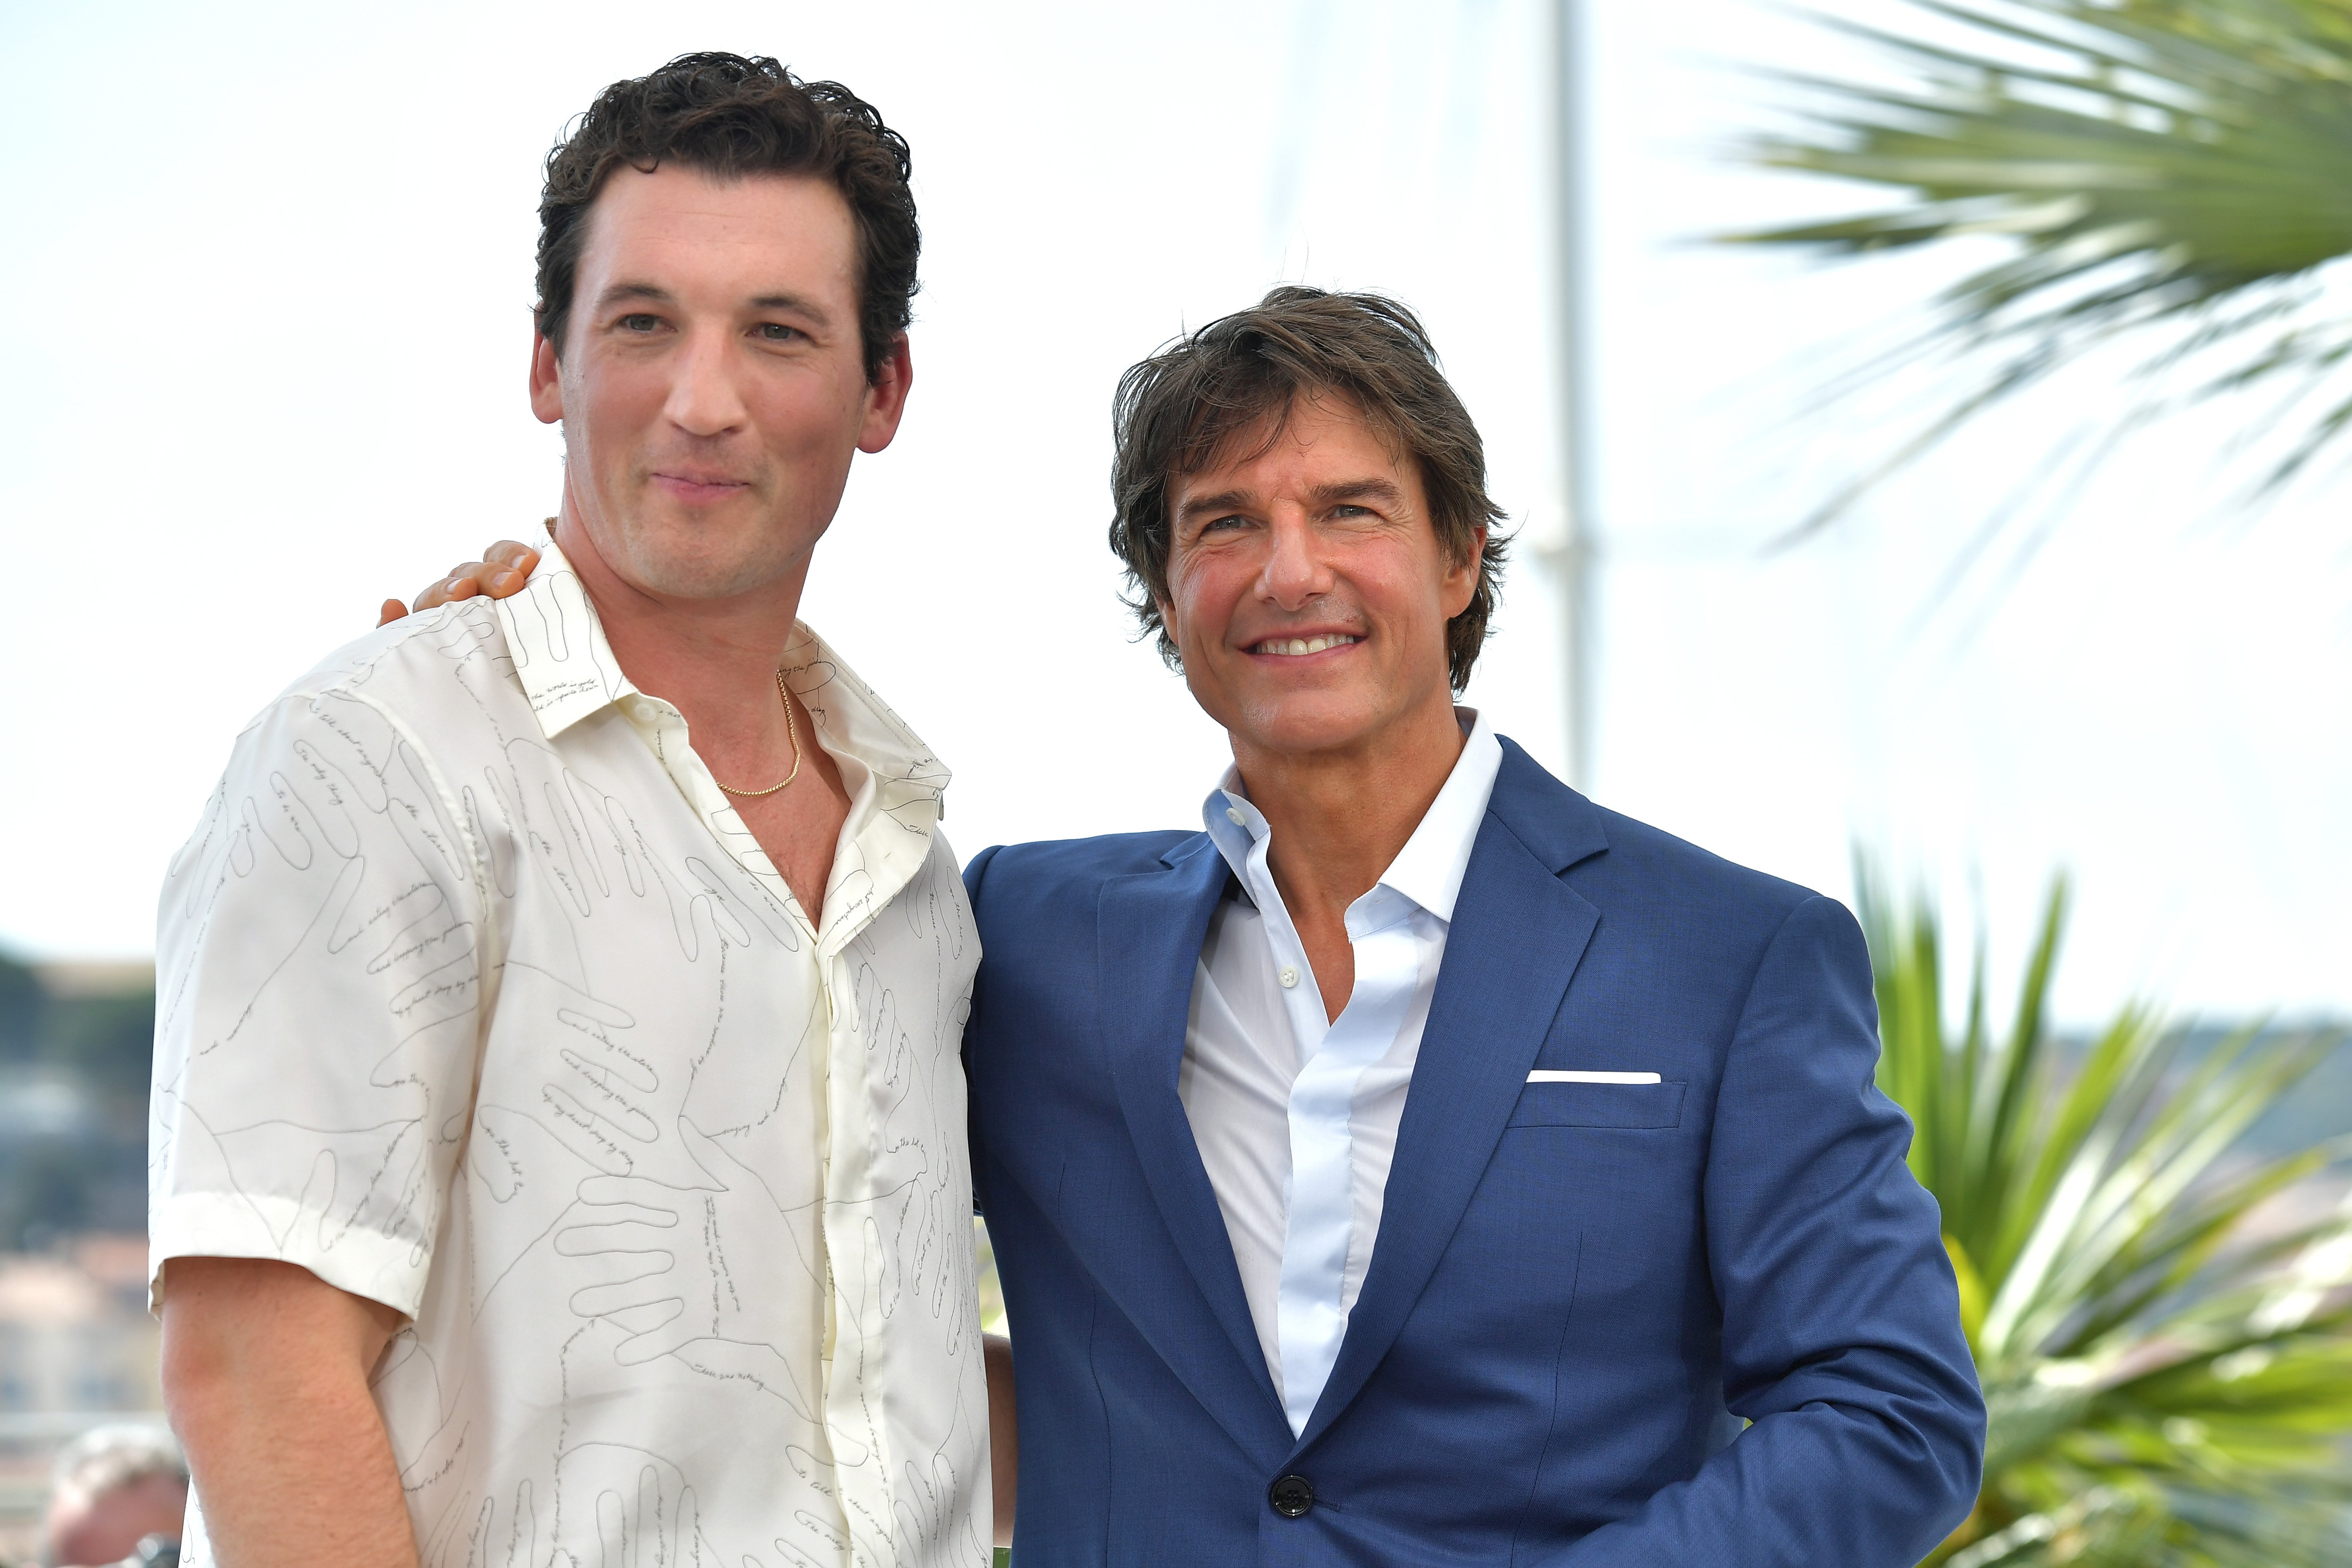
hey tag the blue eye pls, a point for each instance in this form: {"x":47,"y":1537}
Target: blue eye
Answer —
{"x":638,"y":322}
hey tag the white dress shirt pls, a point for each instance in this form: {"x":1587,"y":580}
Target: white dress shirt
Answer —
{"x":1296,"y":1112}
{"x":478,"y":999}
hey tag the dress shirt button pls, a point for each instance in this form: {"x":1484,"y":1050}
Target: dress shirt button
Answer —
{"x":1292,"y":1497}
{"x":1233,"y":814}
{"x":1289,"y":977}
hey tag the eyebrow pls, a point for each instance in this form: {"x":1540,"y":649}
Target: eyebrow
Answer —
{"x":800,"y":303}
{"x":652,"y":293}
{"x":1223,"y":500}
{"x":618,"y":292}
{"x":1369,"y":487}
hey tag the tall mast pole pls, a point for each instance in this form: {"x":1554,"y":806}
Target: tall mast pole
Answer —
{"x":1572,"y":555}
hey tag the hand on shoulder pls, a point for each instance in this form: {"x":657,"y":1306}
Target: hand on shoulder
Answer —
{"x":499,"y":574}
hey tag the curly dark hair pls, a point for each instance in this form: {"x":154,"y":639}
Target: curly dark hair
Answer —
{"x":1184,"y":409}
{"x":730,"y":116}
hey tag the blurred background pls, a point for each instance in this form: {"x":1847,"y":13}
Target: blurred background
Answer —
{"x":272,"y":274}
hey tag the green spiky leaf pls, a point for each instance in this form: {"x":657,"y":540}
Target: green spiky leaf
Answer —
{"x":2167,"y":1386}
{"x":2167,"y":172}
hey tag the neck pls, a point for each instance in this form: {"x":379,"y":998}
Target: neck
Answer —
{"x":1339,"y":818}
{"x":714,"y":659}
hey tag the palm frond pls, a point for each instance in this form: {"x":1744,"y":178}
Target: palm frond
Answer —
{"x":2168,"y":172}
{"x":2167,"y":1384}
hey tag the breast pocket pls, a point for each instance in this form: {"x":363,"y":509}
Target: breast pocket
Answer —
{"x":1626,"y":1105}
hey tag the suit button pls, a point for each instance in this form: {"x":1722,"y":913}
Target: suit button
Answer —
{"x":1292,"y":1497}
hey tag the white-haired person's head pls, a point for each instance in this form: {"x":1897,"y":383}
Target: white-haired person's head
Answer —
{"x":113,"y":1488}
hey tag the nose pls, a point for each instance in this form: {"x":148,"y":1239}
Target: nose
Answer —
{"x":703,"y":398}
{"x":1294,"y":571}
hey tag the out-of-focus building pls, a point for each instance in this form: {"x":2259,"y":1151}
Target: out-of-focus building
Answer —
{"x":75,"y":1334}
{"x":76,"y":1349}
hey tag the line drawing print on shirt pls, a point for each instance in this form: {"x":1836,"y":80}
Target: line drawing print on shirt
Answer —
{"x":415,"y":1039}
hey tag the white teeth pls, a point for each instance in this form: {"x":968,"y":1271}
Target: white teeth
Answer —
{"x":1305,"y":645}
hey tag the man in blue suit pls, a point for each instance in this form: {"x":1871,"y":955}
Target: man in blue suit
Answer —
{"x":1423,"y":1164}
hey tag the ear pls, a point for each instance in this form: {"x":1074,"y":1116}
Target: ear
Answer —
{"x":546,"y":381}
{"x":885,"y":397}
{"x":1461,"y":581}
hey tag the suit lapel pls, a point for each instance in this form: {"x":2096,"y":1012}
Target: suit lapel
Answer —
{"x":1149,"y":934}
{"x":1517,"y":936}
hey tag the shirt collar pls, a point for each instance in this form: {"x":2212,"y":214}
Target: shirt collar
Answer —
{"x":1429,"y":868}
{"x":557,"y":642}
{"x":909,"y":783}
{"x":568,"y":671}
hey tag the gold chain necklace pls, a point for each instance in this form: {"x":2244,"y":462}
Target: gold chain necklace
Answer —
{"x":790,"y":728}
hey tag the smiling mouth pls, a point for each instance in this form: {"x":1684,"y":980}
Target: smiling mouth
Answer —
{"x":1292,"y":648}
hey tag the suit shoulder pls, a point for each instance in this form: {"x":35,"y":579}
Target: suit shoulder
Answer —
{"x":1676,"y":869}
{"x":1052,"y":868}
{"x":1618,"y":861}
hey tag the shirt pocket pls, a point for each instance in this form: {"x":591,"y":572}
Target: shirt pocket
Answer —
{"x":1634,"y":1106}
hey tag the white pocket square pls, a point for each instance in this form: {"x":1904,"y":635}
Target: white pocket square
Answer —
{"x":1547,"y":1076}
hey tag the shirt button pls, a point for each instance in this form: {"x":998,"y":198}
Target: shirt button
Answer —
{"x":1289,"y":977}
{"x":1292,"y":1497}
{"x":1233,"y":814}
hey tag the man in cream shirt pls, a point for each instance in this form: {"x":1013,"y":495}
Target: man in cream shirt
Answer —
{"x":559,"y":1133}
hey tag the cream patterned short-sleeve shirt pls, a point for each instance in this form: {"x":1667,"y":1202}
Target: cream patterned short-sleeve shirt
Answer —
{"x":478,"y":1000}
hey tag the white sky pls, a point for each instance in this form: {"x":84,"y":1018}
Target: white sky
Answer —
{"x":270,"y":277}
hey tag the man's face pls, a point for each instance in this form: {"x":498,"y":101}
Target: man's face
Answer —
{"x":1307,"y":590}
{"x":712,"y":388}
{"x":108,"y":1527}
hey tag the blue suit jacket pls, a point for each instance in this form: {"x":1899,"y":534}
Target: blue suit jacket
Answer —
{"x":1576,"y":1288}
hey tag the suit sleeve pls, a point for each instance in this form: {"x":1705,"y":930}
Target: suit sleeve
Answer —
{"x":973,"y":875}
{"x":1841,"y":1341}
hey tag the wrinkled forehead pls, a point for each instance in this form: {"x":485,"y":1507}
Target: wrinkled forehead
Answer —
{"x":1236,"y":425}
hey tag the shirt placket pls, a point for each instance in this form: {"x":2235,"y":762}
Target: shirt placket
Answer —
{"x":853,"y":1265}
{"x":855,"y":1371}
{"x":1318,"y":1210}
{"x":1319,"y":1220}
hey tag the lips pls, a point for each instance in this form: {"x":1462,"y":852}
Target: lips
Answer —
{"x":691,"y":487}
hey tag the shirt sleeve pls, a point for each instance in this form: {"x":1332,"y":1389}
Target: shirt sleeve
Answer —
{"x":319,"y":965}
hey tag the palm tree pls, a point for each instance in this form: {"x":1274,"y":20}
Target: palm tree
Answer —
{"x":2167,"y":1364}
{"x":2172,"y":176}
